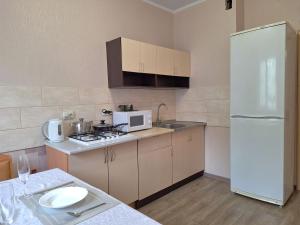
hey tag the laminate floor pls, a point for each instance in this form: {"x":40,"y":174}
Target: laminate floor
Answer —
{"x":208,"y":201}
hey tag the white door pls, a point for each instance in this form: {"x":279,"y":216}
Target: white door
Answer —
{"x":257,"y":72}
{"x":257,"y":149}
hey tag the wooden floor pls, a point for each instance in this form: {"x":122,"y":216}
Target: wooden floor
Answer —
{"x":207,"y":201}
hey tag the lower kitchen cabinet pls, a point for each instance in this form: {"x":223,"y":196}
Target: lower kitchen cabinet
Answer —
{"x":113,"y":170}
{"x":123,"y":172}
{"x":155,"y":164}
{"x":188,"y":153}
{"x":90,"y":167}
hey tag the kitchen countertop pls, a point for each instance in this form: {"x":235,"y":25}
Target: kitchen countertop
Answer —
{"x":155,"y":131}
{"x":118,"y":215}
{"x":70,"y":147}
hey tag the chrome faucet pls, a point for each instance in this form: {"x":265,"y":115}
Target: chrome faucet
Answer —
{"x":158,"y":121}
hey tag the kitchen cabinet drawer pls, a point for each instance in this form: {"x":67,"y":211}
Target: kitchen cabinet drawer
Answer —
{"x":153,"y":143}
{"x":188,"y":153}
{"x":91,"y":167}
{"x":155,"y":170}
{"x":123,"y":172}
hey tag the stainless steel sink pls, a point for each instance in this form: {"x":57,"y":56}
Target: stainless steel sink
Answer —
{"x":171,"y":125}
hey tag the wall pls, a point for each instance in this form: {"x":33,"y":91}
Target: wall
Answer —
{"x":204,"y":30}
{"x":53,"y":59}
{"x":261,"y":12}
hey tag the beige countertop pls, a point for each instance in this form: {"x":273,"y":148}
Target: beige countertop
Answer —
{"x":155,"y":131}
{"x":69,"y":147}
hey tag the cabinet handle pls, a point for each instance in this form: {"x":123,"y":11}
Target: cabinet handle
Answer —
{"x":113,"y":155}
{"x":105,"y":158}
{"x":143,"y":67}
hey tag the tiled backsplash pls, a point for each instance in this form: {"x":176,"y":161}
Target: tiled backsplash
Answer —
{"x":23,"y":110}
{"x":210,"y":104}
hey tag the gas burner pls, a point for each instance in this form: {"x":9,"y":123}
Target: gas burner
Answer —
{"x":97,"y":137}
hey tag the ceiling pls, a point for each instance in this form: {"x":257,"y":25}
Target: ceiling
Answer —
{"x":173,"y":5}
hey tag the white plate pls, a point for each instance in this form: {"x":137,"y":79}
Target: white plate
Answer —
{"x":63,"y":197}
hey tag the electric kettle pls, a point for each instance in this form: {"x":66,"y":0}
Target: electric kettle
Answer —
{"x":53,"y":130}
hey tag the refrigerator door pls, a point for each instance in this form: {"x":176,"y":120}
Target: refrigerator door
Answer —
{"x":257,"y":149}
{"x":257,"y":72}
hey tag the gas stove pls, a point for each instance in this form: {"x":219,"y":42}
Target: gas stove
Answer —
{"x":99,"y":137}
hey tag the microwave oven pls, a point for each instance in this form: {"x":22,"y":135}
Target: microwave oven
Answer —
{"x":135,"y":120}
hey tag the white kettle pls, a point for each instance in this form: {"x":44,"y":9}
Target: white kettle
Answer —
{"x":53,"y":130}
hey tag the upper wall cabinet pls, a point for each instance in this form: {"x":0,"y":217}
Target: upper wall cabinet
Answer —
{"x":182,"y":63}
{"x":165,"y":61}
{"x":130,"y":55}
{"x":132,"y":63}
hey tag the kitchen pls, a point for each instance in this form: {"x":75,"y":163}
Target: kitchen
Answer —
{"x":54,"y":62}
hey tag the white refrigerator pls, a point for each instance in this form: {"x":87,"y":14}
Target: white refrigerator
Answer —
{"x":262,"y":112}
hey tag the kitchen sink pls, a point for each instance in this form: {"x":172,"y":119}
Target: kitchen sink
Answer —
{"x":171,"y":125}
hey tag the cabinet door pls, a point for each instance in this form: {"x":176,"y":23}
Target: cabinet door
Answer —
{"x":182,"y":63}
{"x":57,"y":159}
{"x":130,"y":55}
{"x":165,"y":61}
{"x":155,"y":165}
{"x":123,"y":172}
{"x":91,"y":167}
{"x":188,"y":153}
{"x":148,"y":58}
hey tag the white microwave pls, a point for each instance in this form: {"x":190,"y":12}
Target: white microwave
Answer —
{"x":135,"y":120}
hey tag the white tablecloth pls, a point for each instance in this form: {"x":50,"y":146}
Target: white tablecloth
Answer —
{"x":118,"y":215}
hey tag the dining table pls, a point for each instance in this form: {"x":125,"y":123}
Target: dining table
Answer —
{"x":119,"y":214}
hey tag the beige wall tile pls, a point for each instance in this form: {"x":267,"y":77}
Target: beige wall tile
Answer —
{"x":19,"y":96}
{"x":10,"y":118}
{"x":37,"y":116}
{"x":60,"y":96}
{"x":191,"y":106}
{"x":217,"y":106}
{"x":94,"y":95}
{"x":87,"y":112}
{"x":190,"y":116}
{"x":217,"y":119}
{"x":11,"y":140}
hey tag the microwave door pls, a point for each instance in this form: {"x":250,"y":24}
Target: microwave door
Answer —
{"x":136,"y":122}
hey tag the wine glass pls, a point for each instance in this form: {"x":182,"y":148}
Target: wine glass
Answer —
{"x":23,"y":172}
{"x":7,"y":204}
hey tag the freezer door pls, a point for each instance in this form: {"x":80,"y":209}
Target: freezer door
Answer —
{"x":257,"y":72}
{"x":257,"y":148}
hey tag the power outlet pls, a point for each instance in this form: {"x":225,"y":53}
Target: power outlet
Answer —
{"x":69,"y":115}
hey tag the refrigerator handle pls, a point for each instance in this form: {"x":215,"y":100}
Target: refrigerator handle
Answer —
{"x":256,"y":117}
